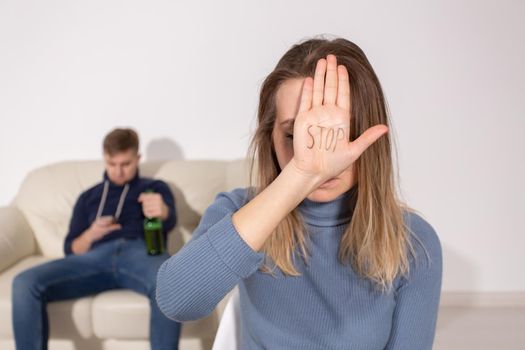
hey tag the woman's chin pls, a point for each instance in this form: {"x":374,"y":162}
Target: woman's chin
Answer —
{"x":328,"y":191}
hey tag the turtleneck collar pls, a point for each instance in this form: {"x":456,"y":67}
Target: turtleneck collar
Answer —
{"x":332,"y":213}
{"x":130,"y":182}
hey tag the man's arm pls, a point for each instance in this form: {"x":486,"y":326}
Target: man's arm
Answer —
{"x":78,"y":224}
{"x":81,"y":234}
{"x":96,"y":231}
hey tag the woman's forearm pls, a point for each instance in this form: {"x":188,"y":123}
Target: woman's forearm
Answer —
{"x":256,"y":221}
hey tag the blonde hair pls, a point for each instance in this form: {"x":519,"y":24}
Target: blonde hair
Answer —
{"x":376,"y":242}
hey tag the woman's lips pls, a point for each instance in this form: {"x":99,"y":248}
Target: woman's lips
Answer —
{"x":329,"y":183}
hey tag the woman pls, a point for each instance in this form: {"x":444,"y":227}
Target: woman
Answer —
{"x":325,"y":255}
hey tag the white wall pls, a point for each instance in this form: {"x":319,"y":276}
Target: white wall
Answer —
{"x":186,"y":75}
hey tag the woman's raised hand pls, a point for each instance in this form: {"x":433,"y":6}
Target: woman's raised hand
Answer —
{"x":322,"y":125}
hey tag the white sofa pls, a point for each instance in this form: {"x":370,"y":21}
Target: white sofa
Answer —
{"x":33,"y":227}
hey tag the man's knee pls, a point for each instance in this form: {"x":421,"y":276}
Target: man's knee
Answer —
{"x":25,"y":283}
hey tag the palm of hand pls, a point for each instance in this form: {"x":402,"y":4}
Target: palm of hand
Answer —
{"x":322,"y":126}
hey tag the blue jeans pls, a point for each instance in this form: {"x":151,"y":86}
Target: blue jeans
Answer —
{"x":118,"y":264}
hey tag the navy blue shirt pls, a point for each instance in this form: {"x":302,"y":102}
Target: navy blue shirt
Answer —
{"x":131,"y":217}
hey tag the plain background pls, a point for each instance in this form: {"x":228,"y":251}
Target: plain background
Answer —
{"x":187,"y":74}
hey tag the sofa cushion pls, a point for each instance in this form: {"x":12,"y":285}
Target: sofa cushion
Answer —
{"x":238,"y":174}
{"x":124,"y":314}
{"x":196,"y":183}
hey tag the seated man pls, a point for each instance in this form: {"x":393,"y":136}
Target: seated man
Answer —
{"x":105,"y":248}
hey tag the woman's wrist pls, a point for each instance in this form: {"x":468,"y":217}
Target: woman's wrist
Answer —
{"x":256,"y":221}
{"x":306,"y":181}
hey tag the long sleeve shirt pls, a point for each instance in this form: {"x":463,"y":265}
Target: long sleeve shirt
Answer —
{"x":329,"y":306}
{"x":131,"y":217}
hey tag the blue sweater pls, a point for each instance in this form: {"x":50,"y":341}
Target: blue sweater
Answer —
{"x":328,"y":307}
{"x":131,"y":217}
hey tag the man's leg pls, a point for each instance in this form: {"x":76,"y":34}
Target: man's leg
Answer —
{"x":62,"y":279}
{"x":138,"y":271}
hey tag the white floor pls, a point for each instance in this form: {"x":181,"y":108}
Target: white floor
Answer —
{"x":480,"y":328}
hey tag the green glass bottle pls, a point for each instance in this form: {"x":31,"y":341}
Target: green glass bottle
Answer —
{"x":153,"y":235}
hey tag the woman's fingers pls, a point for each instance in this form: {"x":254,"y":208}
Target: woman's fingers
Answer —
{"x":359,"y":145}
{"x":330,"y":87}
{"x":306,"y":95}
{"x":331,"y":83}
{"x":343,"y":88}
{"x":318,"y":92}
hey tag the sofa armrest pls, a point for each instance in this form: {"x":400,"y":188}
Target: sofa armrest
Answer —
{"x":16,"y":237}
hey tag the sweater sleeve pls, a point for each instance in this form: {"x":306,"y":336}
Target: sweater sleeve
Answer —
{"x":192,"y":282}
{"x":417,"y":296}
{"x":78,"y":224}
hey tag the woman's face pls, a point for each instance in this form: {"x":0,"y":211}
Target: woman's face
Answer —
{"x":287,"y":102}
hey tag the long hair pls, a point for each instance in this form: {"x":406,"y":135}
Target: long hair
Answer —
{"x":376,"y":242}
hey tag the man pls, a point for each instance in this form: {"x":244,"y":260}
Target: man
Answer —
{"x":104,"y":248}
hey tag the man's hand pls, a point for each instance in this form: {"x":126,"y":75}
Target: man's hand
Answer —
{"x":101,"y":227}
{"x":153,"y":206}
{"x":98,"y":229}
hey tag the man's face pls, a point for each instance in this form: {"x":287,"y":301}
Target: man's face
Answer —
{"x":121,"y":167}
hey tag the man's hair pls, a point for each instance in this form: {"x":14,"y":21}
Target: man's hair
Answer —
{"x":121,"y":140}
